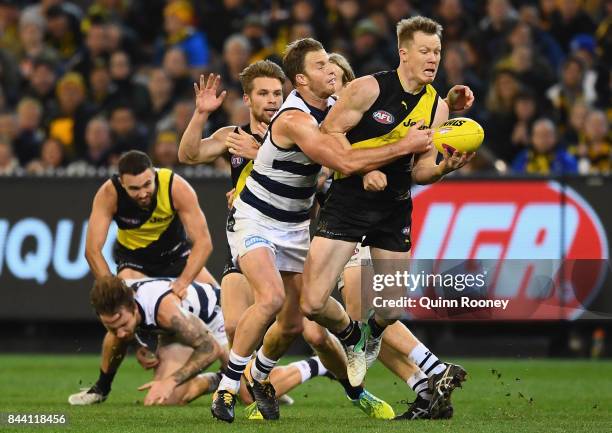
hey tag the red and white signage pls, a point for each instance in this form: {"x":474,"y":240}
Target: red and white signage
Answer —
{"x":532,"y":228}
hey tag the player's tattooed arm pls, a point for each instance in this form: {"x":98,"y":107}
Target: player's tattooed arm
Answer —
{"x":191,"y":331}
{"x":187,"y":329}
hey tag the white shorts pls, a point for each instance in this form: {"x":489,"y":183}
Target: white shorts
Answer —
{"x":250,"y":229}
{"x":217,"y":327}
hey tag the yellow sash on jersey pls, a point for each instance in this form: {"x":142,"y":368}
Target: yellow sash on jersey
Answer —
{"x":159,"y":220}
{"x":421,"y":111}
{"x":243,"y":177}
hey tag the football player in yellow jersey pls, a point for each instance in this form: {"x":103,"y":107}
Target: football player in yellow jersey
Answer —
{"x":374,"y":111}
{"x":162,"y":233}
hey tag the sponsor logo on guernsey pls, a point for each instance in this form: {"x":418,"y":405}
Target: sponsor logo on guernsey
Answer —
{"x":384,"y":117}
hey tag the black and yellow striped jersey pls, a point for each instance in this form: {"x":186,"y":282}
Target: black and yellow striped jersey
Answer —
{"x":242,"y":167}
{"x":155,"y":233}
{"x":386,"y":121}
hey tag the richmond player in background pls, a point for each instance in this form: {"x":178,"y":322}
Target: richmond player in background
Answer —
{"x":162,"y":232}
{"x":373,"y":111}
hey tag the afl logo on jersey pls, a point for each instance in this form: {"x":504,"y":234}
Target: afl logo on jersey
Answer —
{"x":237,"y":161}
{"x":383,"y":117}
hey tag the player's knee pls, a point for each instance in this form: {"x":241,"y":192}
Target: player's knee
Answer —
{"x":291,"y":330}
{"x":271,"y":302}
{"x":311,"y":308}
{"x":316,"y":338}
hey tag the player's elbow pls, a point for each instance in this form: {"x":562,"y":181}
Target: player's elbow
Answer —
{"x":346,"y":164}
{"x":184,"y":158}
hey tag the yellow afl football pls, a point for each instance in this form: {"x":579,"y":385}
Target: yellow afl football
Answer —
{"x":461,"y":134}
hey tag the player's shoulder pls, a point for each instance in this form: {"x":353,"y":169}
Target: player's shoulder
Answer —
{"x":292,"y":115}
{"x":107,"y":193}
{"x":361,"y":92}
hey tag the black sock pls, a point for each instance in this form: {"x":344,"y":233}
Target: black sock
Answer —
{"x":103,"y":385}
{"x":353,"y":392}
{"x":314,"y":367}
{"x":377,"y":330}
{"x":350,"y":335}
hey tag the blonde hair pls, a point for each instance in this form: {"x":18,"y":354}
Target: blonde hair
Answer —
{"x":347,"y":72}
{"x":407,"y":27}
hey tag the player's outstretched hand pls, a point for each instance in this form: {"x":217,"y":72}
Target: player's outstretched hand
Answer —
{"x":242,"y":144}
{"x":159,"y":391}
{"x":417,"y":140}
{"x":455,"y":161}
{"x":179,"y":287}
{"x":375,"y":180}
{"x":146,"y":358}
{"x":206,"y":97}
{"x":459,"y":98}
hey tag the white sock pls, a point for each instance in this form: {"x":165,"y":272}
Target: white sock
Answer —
{"x":235,"y":367}
{"x":426,"y":361}
{"x":308,"y":368}
{"x":418,"y":383}
{"x":261,"y":368}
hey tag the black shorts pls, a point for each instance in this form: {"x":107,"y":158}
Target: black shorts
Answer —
{"x":383,"y":224}
{"x":171,"y":267}
{"x":230,"y":267}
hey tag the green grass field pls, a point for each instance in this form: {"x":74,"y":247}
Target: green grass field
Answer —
{"x":499,"y":396}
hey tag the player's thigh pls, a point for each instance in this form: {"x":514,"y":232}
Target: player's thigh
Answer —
{"x":324,"y":263}
{"x":173,"y":356}
{"x":259,"y":267}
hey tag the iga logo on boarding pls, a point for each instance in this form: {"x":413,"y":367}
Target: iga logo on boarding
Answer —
{"x":527,"y":228}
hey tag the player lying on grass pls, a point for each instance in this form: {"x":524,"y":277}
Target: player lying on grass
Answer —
{"x":129,"y":308}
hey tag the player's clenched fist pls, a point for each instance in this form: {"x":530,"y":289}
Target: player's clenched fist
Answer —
{"x":375,"y":181}
{"x":417,"y":140}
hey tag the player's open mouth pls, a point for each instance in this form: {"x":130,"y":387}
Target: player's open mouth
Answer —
{"x":271,"y":111}
{"x":430,"y":72}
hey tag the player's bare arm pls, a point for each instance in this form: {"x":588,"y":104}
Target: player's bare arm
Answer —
{"x":188,"y":209}
{"x":425,"y":170}
{"x":102,"y":210}
{"x":300,"y":128}
{"x":356,"y":99}
{"x":189,"y":330}
{"x":192,"y":148}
